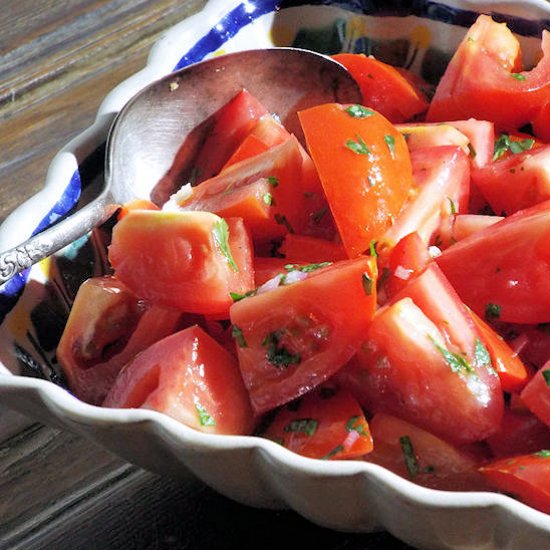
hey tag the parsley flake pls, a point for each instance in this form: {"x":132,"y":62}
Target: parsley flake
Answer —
{"x":456,"y":362}
{"x":390,"y":142}
{"x":546,"y":375}
{"x":372,"y":248}
{"x":204,"y":418}
{"x":409,"y":457}
{"x":306,"y":426}
{"x":308,"y":268}
{"x":277,"y":354}
{"x":504,"y":144}
{"x":238,"y":335}
{"x":544,"y":453}
{"x":452,"y":206}
{"x":482,"y":355}
{"x":355,"y":424}
{"x":359,"y":147}
{"x":273,"y":181}
{"x":358,"y":111}
{"x":518,"y":76}
{"x":268,"y":199}
{"x":492,"y":311}
{"x":236,"y":296}
{"x":368,"y":283}
{"x":221,"y":238}
{"x":335,"y":451}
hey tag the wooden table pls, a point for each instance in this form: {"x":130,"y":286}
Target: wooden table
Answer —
{"x":59,"y":491}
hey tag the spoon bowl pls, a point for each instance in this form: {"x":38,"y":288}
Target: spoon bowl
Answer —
{"x":171,"y":118}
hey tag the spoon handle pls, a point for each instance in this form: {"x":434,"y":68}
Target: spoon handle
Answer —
{"x":45,"y":243}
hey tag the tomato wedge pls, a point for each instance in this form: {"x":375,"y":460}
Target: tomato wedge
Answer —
{"x":191,"y":378}
{"x":505,"y":267}
{"x":364,"y":166}
{"x":295,"y":336}
{"x":189,"y":261}
{"x":384,"y":88}
{"x":422,"y":457}
{"x":510,"y":369}
{"x":327,"y":423}
{"x":536,"y":395}
{"x":108,"y":325}
{"x":527,"y":477}
{"x":484,"y":79}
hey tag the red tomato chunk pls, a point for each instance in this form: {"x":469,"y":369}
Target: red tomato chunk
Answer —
{"x":380,"y":292}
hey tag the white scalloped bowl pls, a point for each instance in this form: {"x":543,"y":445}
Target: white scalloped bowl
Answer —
{"x":344,"y":495}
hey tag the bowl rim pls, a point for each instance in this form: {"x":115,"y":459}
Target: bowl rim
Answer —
{"x":161,"y":60}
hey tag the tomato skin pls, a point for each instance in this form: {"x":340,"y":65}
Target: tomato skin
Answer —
{"x":407,"y":260}
{"x":235,"y":191}
{"x":439,"y":464}
{"x":365,"y":190}
{"x":520,"y":433}
{"x":184,"y":375}
{"x":517,"y":182}
{"x":525,"y":476}
{"x":232,"y":123}
{"x":441,"y":189}
{"x":511,"y":371}
{"x":479,"y":80}
{"x":327,"y":423}
{"x":306,"y":249}
{"x":507,"y":264}
{"x":316,"y":324}
{"x":173,"y":259}
{"x":107,"y":326}
{"x":536,"y":394}
{"x":384,"y":88}
{"x":401,"y":368}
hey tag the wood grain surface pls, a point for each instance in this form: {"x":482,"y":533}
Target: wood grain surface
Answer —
{"x":58,"y":491}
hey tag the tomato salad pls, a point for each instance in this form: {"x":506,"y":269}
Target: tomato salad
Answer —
{"x":378,"y":292}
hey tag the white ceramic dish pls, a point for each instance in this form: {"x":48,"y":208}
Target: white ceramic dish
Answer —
{"x":352,"y":496}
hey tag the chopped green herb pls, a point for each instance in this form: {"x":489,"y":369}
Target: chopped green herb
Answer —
{"x":282,"y":220}
{"x":409,"y":458}
{"x":367,"y":282}
{"x":452,"y":206}
{"x":390,"y":142}
{"x":235,"y":296}
{"x":372,"y":248}
{"x":306,"y":426}
{"x":359,"y":147}
{"x":482,"y":355}
{"x":544,"y":453}
{"x":335,"y":451}
{"x":238,"y":335}
{"x":473,"y":152}
{"x":221,"y":238}
{"x":492,"y":311}
{"x":504,"y":144}
{"x":273,"y":181}
{"x":546,"y":375}
{"x":276,"y":353}
{"x":268,"y":199}
{"x":354,"y":424}
{"x":358,"y":111}
{"x":308,"y":268}
{"x":456,"y":362}
{"x":319,"y":215}
{"x":518,"y":76}
{"x":204,"y":418}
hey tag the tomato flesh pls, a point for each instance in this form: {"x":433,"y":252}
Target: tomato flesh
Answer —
{"x":327,"y":423}
{"x":183,"y":260}
{"x":364,"y":166}
{"x":189,"y":377}
{"x":294,"y":337}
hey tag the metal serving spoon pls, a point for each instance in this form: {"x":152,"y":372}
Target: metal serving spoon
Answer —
{"x":170,"y":119}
